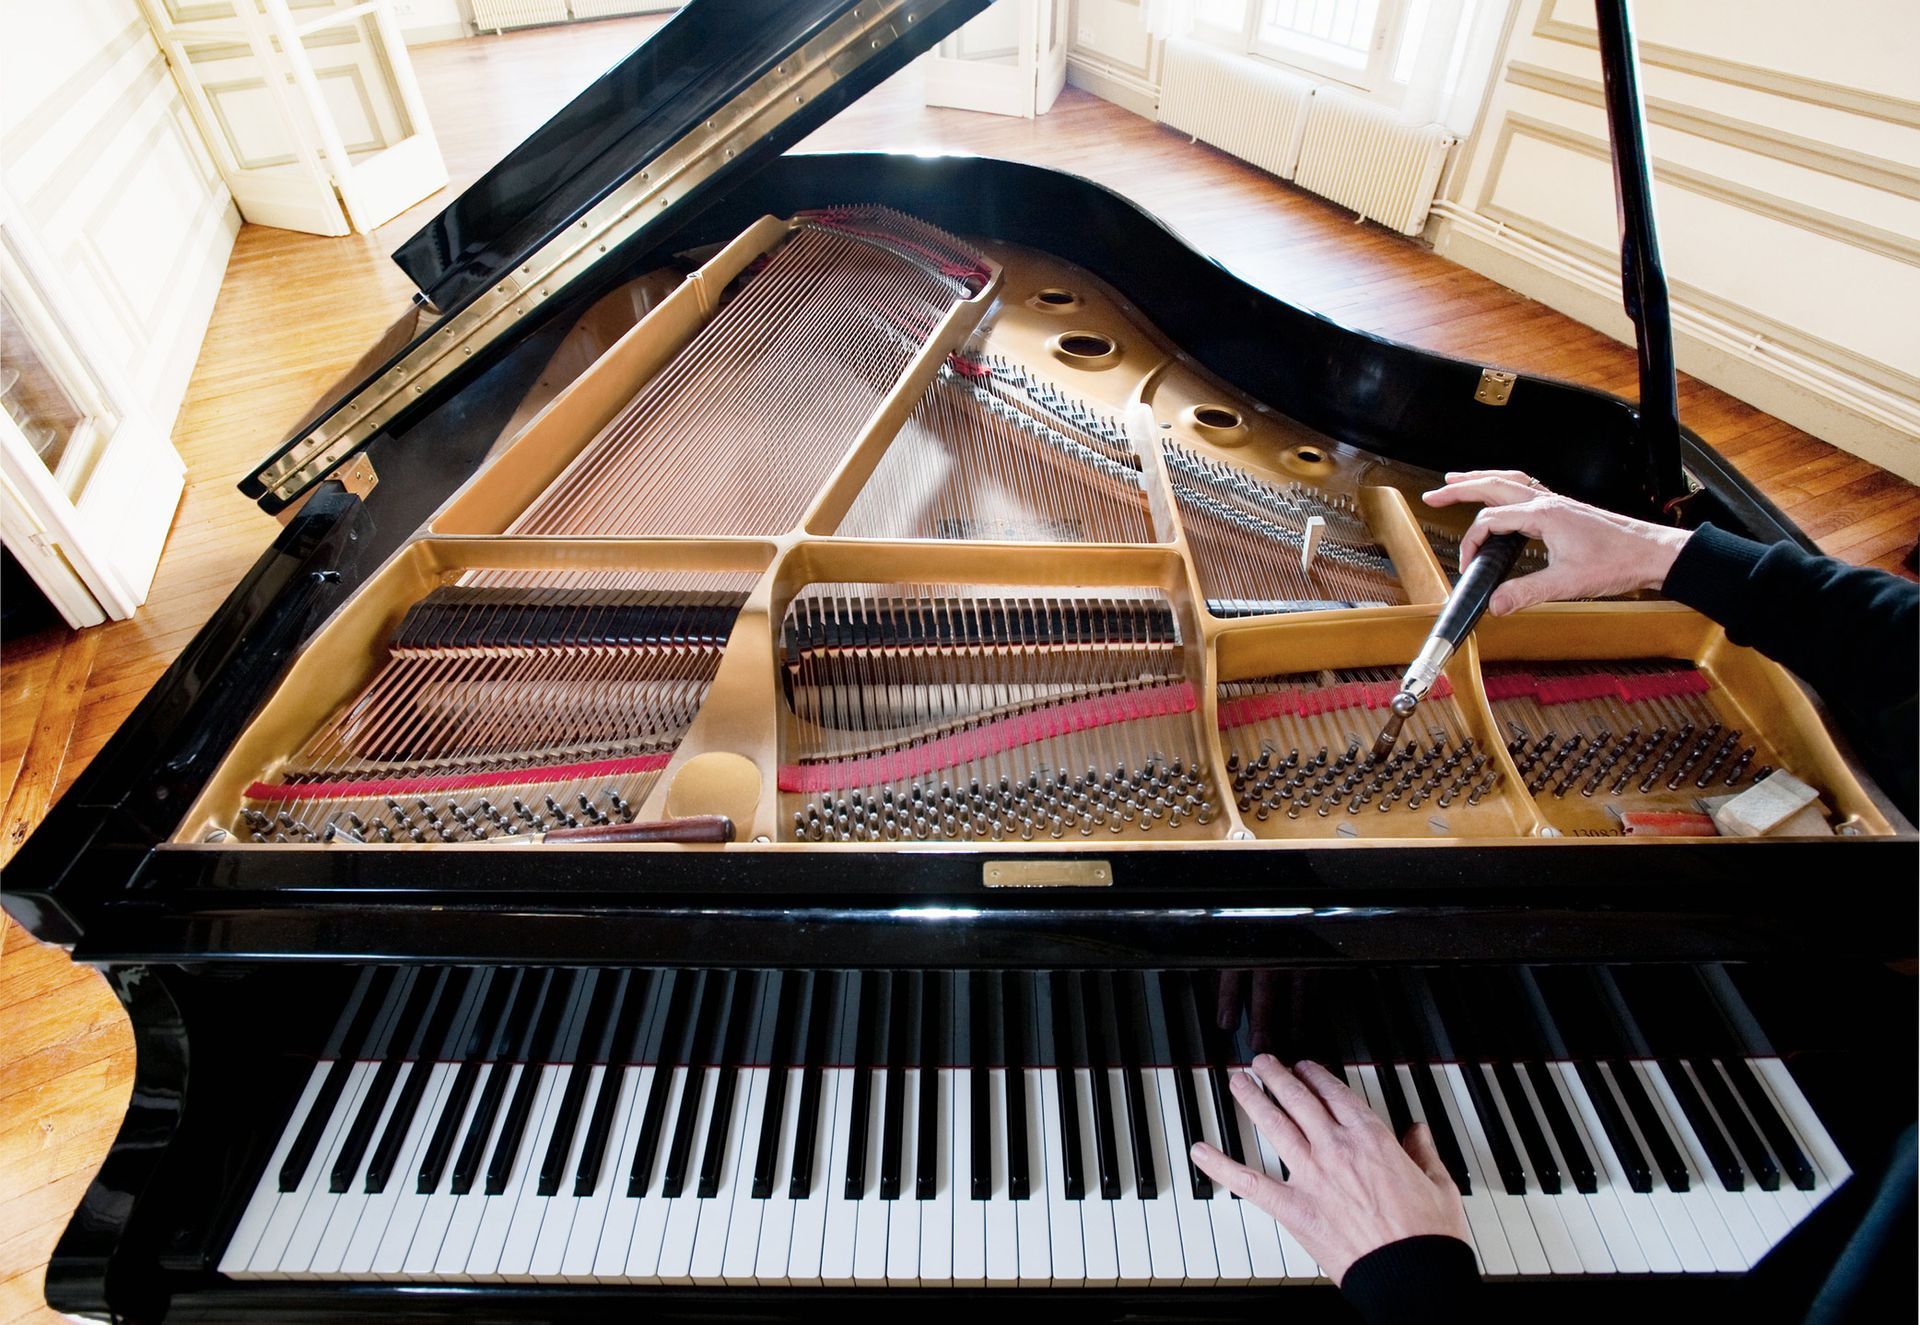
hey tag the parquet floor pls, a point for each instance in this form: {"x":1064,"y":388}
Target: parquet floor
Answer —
{"x":296,"y":310}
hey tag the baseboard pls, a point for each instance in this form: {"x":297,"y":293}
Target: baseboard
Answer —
{"x":1823,"y":412}
{"x":1126,"y":91}
{"x":430,"y":33}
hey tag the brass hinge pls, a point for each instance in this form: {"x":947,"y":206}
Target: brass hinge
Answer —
{"x":1495,"y":386}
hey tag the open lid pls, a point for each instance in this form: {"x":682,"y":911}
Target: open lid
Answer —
{"x":722,"y":88}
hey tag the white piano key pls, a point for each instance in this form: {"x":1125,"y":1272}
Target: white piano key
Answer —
{"x":423,"y":1250}
{"x":1775,"y":1214}
{"x":1264,"y":1255}
{"x":1066,"y":1246}
{"x":936,"y":1214}
{"x":842,"y":1215}
{"x":1573,"y":1206}
{"x":603,"y":1232}
{"x":1702,"y":1212}
{"x":1133,"y":1251}
{"x":1035,"y":1247}
{"x":1563,"y":1257}
{"x":870,"y":1212}
{"x":1229,"y":1230}
{"x":1483,"y":1220}
{"x":1098,"y":1241}
{"x":1615,"y":1193}
{"x":1609,"y":1214}
{"x":1299,"y":1265}
{"x":476,"y":1214}
{"x":804,"y":1261}
{"x":304,"y":1232}
{"x":716,"y":1212}
{"x":969,"y":1215}
{"x":1667,"y":1205}
{"x":774,"y":1243}
{"x":1003,"y":1225}
{"x":903,"y":1219}
{"x":563,"y":1207}
{"x":380,"y":1245}
{"x":1515,"y":1221}
{"x":528,"y":1208}
{"x":237,"y":1260}
{"x":1167,"y":1253}
{"x":1735,"y":1220}
{"x":745,"y":1214}
{"x":1196,"y":1224}
{"x":350,"y":1206}
{"x":683,"y":1211}
{"x":648,"y":1239}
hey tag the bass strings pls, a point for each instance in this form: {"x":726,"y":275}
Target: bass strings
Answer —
{"x":738,"y":432}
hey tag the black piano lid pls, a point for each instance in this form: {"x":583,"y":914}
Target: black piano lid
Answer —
{"x":688,"y":93}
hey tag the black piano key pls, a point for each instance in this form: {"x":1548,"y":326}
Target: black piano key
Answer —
{"x":418,"y":991}
{"x":1532,"y":1136}
{"x":673,"y":1034}
{"x":903,"y":1022}
{"x":1162,"y":1001}
{"x":498,"y":987}
{"x":493,"y":1089}
{"x":716,"y":1009}
{"x":935,"y":1018}
{"x":1406,"y":1005}
{"x":1129,"y":1018}
{"x":793,"y":992}
{"x":537,"y":1051}
{"x":365,"y":1004}
{"x":1506,"y":1157}
{"x":982,"y":1019}
{"x":1779,"y":1136}
{"x":1016,"y":1022}
{"x":616,"y":1051}
{"x":1720,"y":1154}
{"x":431,"y":1043}
{"x":1573,"y":1147}
{"x":1739,"y":1129}
{"x":1665,"y":1150}
{"x":824,"y":1005}
{"x":742,"y":1028}
{"x":1205,"y":1034}
{"x":866,"y":991}
{"x":580,"y":1054}
{"x":1094,"y":1034}
{"x":1069,"y":1055}
{"x":1381,"y":1048}
{"x":1633,"y":1161}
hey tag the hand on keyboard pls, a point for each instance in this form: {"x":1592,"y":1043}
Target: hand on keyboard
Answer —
{"x":1351,"y":1187}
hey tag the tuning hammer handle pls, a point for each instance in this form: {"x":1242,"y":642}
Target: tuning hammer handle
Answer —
{"x":1468,"y":601}
{"x":695,"y":828}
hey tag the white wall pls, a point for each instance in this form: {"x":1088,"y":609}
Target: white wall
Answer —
{"x":1786,"y":149}
{"x":432,"y":20}
{"x":98,"y":149}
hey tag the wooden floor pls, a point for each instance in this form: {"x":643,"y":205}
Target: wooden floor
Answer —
{"x":296,"y":310}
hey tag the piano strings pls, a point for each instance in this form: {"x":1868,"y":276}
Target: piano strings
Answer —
{"x":1263,"y":549}
{"x":938,"y":712}
{"x":738,"y":432}
{"x":1298,"y":750}
{"x":509,"y":703}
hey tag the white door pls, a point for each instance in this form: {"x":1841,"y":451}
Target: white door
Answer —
{"x":310,"y":107}
{"x":1009,"y":60}
{"x":88,"y":481}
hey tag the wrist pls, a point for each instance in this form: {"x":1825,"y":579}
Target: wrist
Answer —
{"x":1660,"y":548}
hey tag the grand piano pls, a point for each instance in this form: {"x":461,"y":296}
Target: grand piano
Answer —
{"x":808,"y":710}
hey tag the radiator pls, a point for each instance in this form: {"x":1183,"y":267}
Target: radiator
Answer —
{"x":1358,"y":155}
{"x":498,"y":15}
{"x":1252,"y":110}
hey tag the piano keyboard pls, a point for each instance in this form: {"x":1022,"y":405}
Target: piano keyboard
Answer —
{"x":835,"y":1128}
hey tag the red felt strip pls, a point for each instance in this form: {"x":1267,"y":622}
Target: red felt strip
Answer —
{"x":1311,"y":703}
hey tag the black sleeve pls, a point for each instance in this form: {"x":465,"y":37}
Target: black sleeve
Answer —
{"x":1851,"y":633}
{"x":1430,"y":1279}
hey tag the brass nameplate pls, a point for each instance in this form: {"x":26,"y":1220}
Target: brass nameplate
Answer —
{"x":1047,"y":874}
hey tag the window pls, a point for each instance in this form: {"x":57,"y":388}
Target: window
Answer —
{"x":1344,"y":32}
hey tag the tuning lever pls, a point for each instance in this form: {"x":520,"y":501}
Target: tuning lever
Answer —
{"x":1461,"y":613}
{"x":695,"y":828}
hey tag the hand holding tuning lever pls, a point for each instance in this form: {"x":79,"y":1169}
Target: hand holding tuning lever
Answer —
{"x":1591,"y":553}
{"x":1350,"y":1186}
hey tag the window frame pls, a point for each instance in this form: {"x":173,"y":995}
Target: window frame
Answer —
{"x":1374,"y":81}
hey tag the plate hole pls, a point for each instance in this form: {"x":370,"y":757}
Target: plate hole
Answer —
{"x":1311,"y":454}
{"x":1217,"y":416}
{"x":1057,"y":297}
{"x":1086,"y":345}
